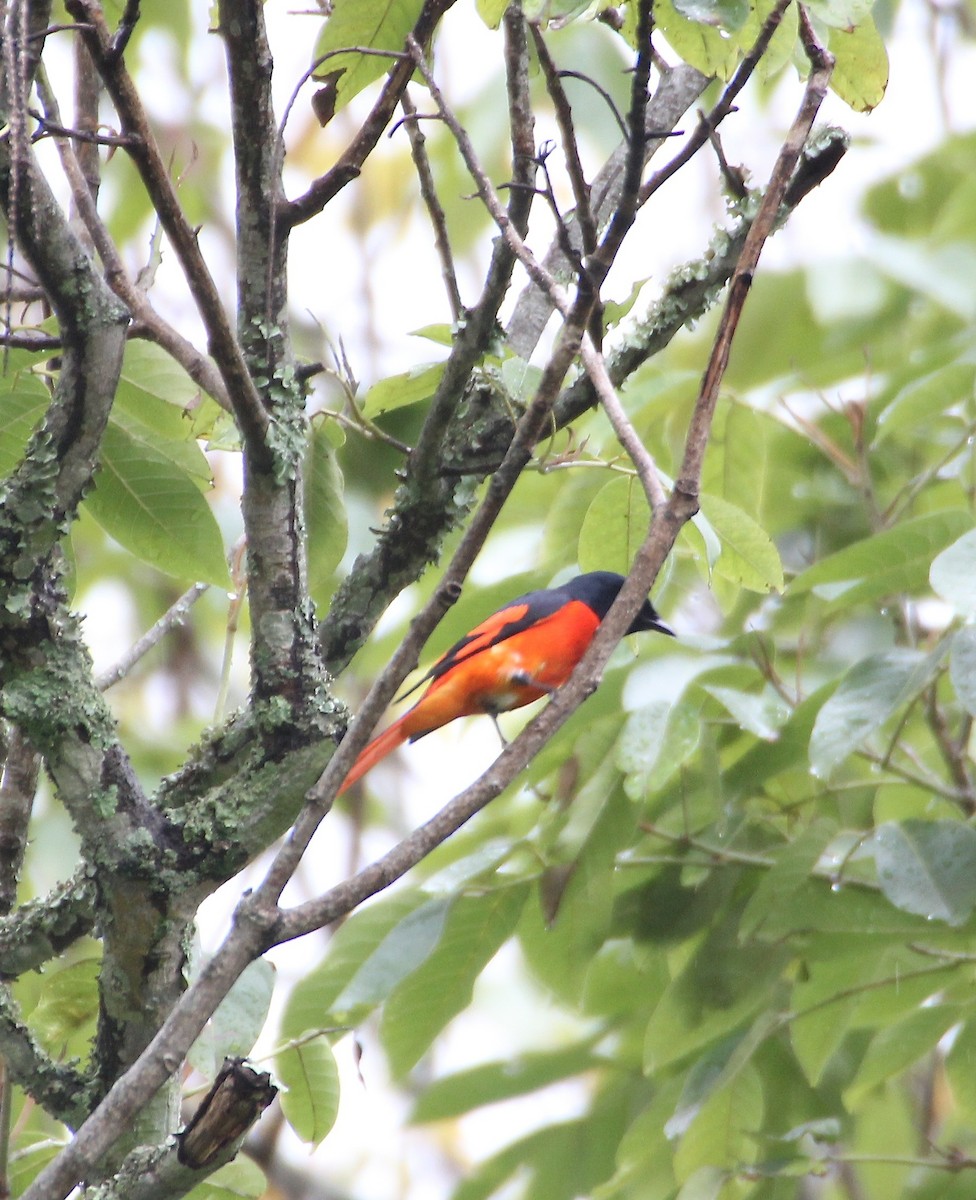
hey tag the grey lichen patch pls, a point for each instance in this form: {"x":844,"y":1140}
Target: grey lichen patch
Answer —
{"x":221,"y":752}
{"x":40,"y":930}
{"x":286,"y":436}
{"x":273,"y":375}
{"x":57,"y":707}
{"x":232,"y":823}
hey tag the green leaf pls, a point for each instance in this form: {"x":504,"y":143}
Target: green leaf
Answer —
{"x":420,"y":1006}
{"x":761,"y":715}
{"x":860,"y":75}
{"x":310,"y":1102}
{"x":960,"y":1066}
{"x":962,"y":667}
{"x":312,"y":1004}
{"x":722,"y":1130}
{"x":910,"y":544}
{"x":707,"y":1183}
{"x":736,"y":462}
{"x":748,"y":556}
{"x":869,"y":694}
{"x":520,"y":378}
{"x":440,"y":334}
{"x":400,"y":952}
{"x":325,"y":513}
{"x":68,"y":1005}
{"x":940,"y":272}
{"x":492,"y":11}
{"x":160,"y":429}
{"x":793,"y":864}
{"x":723,"y":14}
{"x":150,"y":370}
{"x":703,"y":47}
{"x":236,"y":1025}
{"x":912,"y":201}
{"x":490,"y":1082}
{"x":23,"y":402}
{"x":654,"y":743}
{"x":382,"y":26}
{"x":716,"y":1070}
{"x":928,"y":868}
{"x":953,"y":572}
{"x":923,"y":399}
{"x":241,"y":1179}
{"x":841,"y":14}
{"x":724,"y":985}
{"x":823,"y":1001}
{"x":154,"y":509}
{"x":614,"y":527}
{"x":399,"y":391}
{"x":817,"y":905}
{"x":150,"y":406}
{"x":899,"y":1046}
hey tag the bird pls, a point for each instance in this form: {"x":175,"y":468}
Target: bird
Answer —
{"x":522,"y":652}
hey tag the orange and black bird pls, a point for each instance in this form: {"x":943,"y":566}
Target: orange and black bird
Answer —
{"x":519,"y":654}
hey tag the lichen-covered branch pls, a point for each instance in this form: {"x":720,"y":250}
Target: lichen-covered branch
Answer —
{"x":60,"y":1088}
{"x":285,"y":668}
{"x":40,"y":930}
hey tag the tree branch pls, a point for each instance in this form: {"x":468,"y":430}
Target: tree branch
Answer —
{"x":40,"y":930}
{"x":428,"y":191}
{"x":676,"y":92}
{"x":144,"y":151}
{"x":350,"y":163}
{"x":18,"y":783}
{"x":152,"y":326}
{"x":61,"y":1090}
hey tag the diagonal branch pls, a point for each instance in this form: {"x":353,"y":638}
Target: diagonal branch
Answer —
{"x":428,"y":192}
{"x":675,"y":94}
{"x":200,"y":368}
{"x":822,"y":65}
{"x":145,"y":154}
{"x":318,"y":195}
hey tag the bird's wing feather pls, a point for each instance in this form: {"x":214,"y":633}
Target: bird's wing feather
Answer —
{"x":522,"y":613}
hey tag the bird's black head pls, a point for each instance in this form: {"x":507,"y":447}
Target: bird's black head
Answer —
{"x":599,"y":589}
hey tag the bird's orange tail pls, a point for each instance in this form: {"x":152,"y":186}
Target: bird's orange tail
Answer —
{"x":377,"y":749}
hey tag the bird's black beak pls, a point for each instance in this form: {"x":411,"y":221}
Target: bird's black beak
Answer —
{"x":647,"y":621}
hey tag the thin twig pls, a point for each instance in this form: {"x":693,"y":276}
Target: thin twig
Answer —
{"x":349,"y":165}
{"x":144,"y":151}
{"x":596,"y":368}
{"x":151,"y":325}
{"x":564,"y":118}
{"x":173,"y":616}
{"x":49,"y":128}
{"x":428,"y":192}
{"x":489,"y":197}
{"x":724,"y":105}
